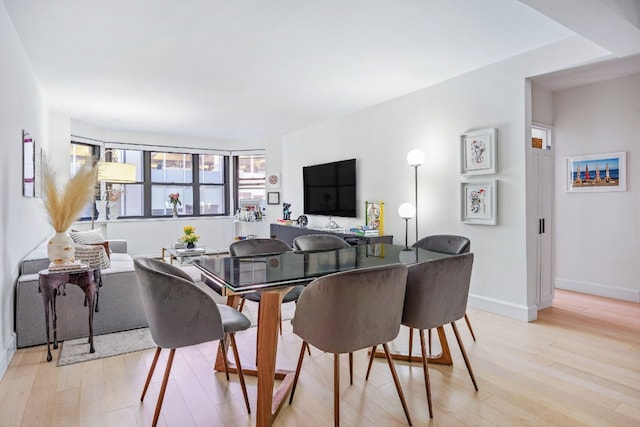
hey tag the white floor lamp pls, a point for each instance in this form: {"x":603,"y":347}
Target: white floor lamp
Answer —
{"x":406,"y":212}
{"x":415,"y":158}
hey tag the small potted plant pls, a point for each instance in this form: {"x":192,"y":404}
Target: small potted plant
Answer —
{"x":190,"y":237}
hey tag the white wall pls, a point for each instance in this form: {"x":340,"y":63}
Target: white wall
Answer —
{"x":432,"y":119}
{"x":21,"y":224}
{"x":598,"y":234}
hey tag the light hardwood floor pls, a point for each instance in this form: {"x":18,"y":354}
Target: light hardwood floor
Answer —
{"x":577,"y":365}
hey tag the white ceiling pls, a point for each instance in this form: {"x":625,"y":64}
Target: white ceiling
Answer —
{"x":248,"y":69}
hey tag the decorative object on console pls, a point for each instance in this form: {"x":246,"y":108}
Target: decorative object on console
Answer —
{"x":302,"y":221}
{"x":478,"y":152}
{"x":374,"y":215}
{"x":64,"y":207}
{"x":415,"y":158}
{"x":597,"y":172}
{"x":174,"y":199}
{"x":190,"y":237}
{"x":479,"y":202}
{"x":286,"y":211}
{"x":406,"y":212}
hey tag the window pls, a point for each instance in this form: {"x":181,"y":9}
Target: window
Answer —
{"x":250,"y":177}
{"x":201,"y":178}
{"x":81,"y":155}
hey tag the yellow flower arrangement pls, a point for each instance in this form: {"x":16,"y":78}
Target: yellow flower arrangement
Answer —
{"x":190,"y":235}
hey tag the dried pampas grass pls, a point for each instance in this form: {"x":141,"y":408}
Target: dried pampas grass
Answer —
{"x":65,"y":207}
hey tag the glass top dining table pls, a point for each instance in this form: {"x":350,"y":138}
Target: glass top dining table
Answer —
{"x":234,"y":275}
{"x":274,"y":275}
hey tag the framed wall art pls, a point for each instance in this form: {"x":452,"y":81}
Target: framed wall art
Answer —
{"x":478,"y":152}
{"x":28,"y":165}
{"x":273,"y":198}
{"x":479,"y":202}
{"x":597,"y":172}
{"x":273,"y":180}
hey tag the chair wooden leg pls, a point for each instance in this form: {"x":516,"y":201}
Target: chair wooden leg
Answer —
{"x":298,"y":368}
{"x":466,"y":318}
{"x":163,"y":387}
{"x":410,"y":343}
{"x":371,"y":356}
{"x":150,"y":374}
{"x":351,"y":368}
{"x":464,"y":355}
{"x":222,"y":346}
{"x":429,"y":333}
{"x":239,"y":370}
{"x":425,"y":368}
{"x":241,"y":306}
{"x":336,"y":390}
{"x":397,"y":382}
{"x":257,"y":338}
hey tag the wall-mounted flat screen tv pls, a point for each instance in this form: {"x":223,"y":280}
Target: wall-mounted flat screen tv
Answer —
{"x":330,"y":189}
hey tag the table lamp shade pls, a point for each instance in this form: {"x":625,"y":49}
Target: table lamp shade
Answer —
{"x":116,"y":172}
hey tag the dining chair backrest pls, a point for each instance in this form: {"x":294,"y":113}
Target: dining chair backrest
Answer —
{"x":258,"y":246}
{"x":348,"y":311}
{"x":316,"y":242}
{"x":445,"y":243}
{"x":437,"y":291}
{"x":179,"y":313}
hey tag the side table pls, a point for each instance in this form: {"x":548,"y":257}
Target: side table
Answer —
{"x":53,"y":282}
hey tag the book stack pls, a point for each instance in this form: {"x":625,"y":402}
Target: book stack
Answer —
{"x":69,"y":267}
{"x":365,"y":231}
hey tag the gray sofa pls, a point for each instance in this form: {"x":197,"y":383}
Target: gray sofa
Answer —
{"x":120,"y":306}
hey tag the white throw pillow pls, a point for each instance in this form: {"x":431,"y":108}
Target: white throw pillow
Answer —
{"x":90,"y":237}
{"x":94,"y":256}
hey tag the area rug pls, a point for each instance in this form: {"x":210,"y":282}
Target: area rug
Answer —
{"x":107,"y":345}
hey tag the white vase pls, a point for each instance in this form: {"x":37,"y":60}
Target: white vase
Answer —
{"x":61,"y":249}
{"x":101,"y":207}
{"x":114,"y":209}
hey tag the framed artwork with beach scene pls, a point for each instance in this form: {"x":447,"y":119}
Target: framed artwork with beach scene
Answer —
{"x":479,"y":202}
{"x":597,"y":172}
{"x":478,"y":152}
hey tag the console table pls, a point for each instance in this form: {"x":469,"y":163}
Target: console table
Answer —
{"x":52,"y":282}
{"x":288,"y":233}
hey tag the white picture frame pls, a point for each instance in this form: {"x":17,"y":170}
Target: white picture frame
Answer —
{"x":607,"y":172}
{"x":479,"y":202}
{"x":478,"y":152}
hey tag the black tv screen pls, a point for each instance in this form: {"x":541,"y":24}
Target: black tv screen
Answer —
{"x":330,"y":189}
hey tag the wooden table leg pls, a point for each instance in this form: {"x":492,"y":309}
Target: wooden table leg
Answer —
{"x":444,"y":358}
{"x":269,"y":403}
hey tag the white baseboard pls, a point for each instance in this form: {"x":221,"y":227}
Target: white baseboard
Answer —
{"x":5,"y":359}
{"x":599,"y":289}
{"x":503,"y":308}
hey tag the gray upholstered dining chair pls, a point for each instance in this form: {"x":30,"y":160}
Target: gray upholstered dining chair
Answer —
{"x":437,"y":293}
{"x":328,"y":318}
{"x":315,"y":242}
{"x":263,"y":246}
{"x":448,"y":244}
{"x":181,"y":314}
